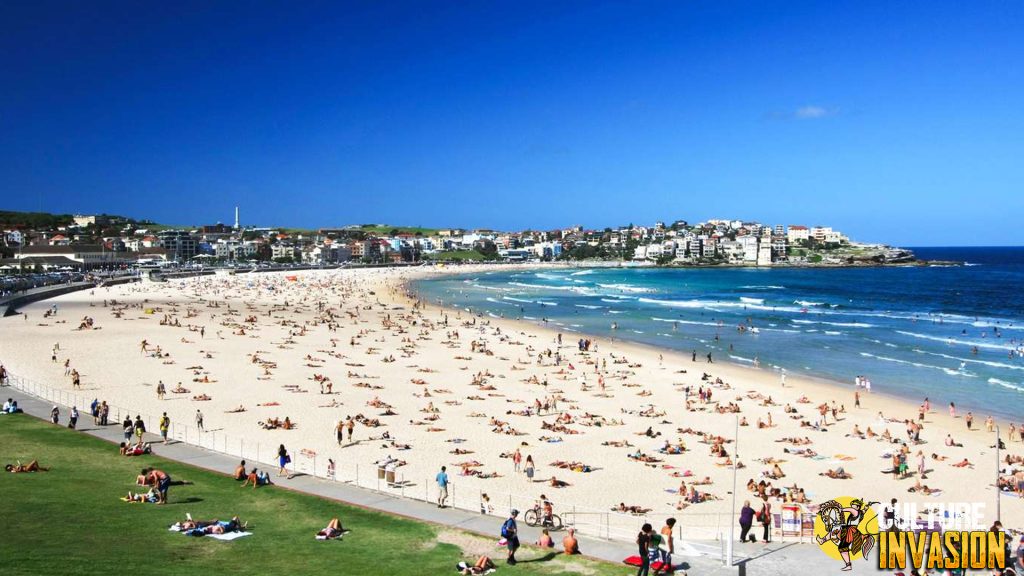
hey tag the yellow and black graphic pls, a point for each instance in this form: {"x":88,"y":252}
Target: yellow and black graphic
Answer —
{"x":972,"y":550}
{"x":845,"y":529}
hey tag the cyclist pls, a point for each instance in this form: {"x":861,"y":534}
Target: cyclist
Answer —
{"x":547,"y":511}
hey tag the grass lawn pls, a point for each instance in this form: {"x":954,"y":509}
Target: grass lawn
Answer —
{"x":457,"y":255}
{"x":70,"y":521}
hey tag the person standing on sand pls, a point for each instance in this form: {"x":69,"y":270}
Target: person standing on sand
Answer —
{"x":517,"y":459}
{"x":856,"y":398}
{"x":709,"y":358}
{"x":160,"y":390}
{"x":351,"y":425}
{"x":529,"y":468}
{"x":199,"y":421}
{"x":339,"y":431}
{"x":442,"y":486}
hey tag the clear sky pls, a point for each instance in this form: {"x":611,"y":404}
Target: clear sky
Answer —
{"x":895,"y":121}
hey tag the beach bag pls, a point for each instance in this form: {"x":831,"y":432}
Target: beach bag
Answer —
{"x":288,"y":459}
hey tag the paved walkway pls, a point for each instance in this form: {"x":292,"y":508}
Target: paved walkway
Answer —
{"x":696,"y":557}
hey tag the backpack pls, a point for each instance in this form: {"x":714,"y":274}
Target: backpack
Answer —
{"x":506,"y":528}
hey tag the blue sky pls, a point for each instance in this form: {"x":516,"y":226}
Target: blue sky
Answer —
{"x":899,"y":122}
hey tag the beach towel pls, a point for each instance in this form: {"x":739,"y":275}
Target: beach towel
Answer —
{"x":229,"y":536}
{"x":656,"y":566}
{"x":226,"y":537}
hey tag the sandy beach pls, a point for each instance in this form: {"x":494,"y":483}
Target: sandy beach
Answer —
{"x":449,"y":388}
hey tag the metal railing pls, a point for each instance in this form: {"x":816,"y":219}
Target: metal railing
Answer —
{"x":463,"y":493}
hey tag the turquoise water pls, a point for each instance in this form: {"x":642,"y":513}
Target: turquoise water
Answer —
{"x":948,"y":333}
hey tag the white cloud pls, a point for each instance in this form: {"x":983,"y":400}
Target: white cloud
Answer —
{"x":813,"y":112}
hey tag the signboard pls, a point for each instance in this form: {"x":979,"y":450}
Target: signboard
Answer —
{"x":790,"y":519}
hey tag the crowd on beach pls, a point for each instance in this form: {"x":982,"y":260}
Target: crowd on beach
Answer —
{"x":507,"y":406}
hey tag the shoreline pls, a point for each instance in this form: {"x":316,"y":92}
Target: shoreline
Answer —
{"x":822,"y":382}
{"x":369,"y":297}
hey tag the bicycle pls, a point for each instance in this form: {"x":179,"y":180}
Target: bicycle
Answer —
{"x":535,"y":517}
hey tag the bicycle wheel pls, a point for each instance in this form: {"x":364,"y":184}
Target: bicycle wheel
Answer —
{"x":530,"y":518}
{"x":556,"y":522}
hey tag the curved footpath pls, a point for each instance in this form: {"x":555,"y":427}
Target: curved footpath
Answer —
{"x":694,"y":557}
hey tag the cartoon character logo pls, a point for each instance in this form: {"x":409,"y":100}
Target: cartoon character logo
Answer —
{"x":845,"y":529}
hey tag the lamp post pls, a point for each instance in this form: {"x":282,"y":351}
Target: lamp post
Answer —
{"x":732,"y":509}
{"x":998,"y":491}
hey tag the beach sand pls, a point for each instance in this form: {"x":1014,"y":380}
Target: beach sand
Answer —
{"x":267,"y":335}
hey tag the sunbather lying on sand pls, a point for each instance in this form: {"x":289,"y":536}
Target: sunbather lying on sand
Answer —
{"x":838,"y":474}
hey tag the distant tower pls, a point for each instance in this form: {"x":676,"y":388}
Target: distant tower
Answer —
{"x":236,"y":217}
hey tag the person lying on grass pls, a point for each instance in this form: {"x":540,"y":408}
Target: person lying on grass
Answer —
{"x":203,"y":527}
{"x":151,"y":497}
{"x":332,"y":531}
{"x":483,"y":564}
{"x":137,"y":449}
{"x":19,"y":468}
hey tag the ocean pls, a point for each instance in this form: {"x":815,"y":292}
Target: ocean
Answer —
{"x":950,"y":333}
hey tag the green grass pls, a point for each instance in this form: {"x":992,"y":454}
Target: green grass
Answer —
{"x":70,"y":521}
{"x":457,"y":255}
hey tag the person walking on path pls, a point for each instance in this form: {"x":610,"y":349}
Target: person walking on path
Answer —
{"x":139,"y":426}
{"x":643,"y":542}
{"x":55,"y":414}
{"x":73,"y":421}
{"x":165,"y":425}
{"x":667,"y":545}
{"x":765,"y":517}
{"x":129,"y":429}
{"x":199,"y":421}
{"x":510,"y":532}
{"x":442,"y":486}
{"x":746,"y":521}
{"x":282,"y":459}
